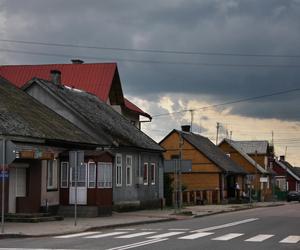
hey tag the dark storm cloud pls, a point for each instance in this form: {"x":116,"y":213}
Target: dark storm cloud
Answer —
{"x":248,"y":27}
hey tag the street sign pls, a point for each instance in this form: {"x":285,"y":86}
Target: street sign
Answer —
{"x":10,"y":152}
{"x":4,"y":174}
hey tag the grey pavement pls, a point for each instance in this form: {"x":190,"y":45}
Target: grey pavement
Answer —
{"x":66,"y":226}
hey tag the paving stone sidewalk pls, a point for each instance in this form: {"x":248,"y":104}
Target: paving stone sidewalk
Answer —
{"x":67,"y":226}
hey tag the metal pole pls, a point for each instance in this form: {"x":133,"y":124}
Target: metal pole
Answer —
{"x":3,"y":186}
{"x":180,"y":161}
{"x":76,"y":179}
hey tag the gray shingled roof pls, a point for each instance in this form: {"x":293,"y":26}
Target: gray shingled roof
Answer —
{"x":108,"y":123}
{"x":23,"y":116}
{"x":212,"y":152}
{"x":250,"y":147}
{"x":294,"y":170}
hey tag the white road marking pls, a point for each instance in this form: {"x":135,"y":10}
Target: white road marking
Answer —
{"x":227,"y":237}
{"x":260,"y":237}
{"x":75,"y":235}
{"x":97,"y":236}
{"x":125,"y":229}
{"x":291,"y":239}
{"x":178,"y":229}
{"x":13,"y":248}
{"x":225,"y":225}
{"x":165,"y":235}
{"x":138,"y":244}
{"x":150,"y":229}
{"x":129,"y":236}
{"x":195,"y":236}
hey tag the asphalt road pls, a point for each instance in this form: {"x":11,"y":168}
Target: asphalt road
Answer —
{"x":261,"y":228}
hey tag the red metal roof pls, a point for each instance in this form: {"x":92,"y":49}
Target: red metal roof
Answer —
{"x":95,"y":78}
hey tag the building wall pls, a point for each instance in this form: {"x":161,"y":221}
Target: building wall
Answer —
{"x":205,"y":174}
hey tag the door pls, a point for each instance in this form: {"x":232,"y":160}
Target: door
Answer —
{"x":17,"y":186}
{"x":81,"y":185}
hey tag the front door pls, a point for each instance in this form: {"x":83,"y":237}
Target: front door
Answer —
{"x":17,"y":185}
{"x":81,"y":185}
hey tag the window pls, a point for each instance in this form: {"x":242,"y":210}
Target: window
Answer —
{"x":91,"y":174}
{"x":128,"y":170}
{"x":152,"y":173}
{"x":104,"y":175}
{"x":145,"y":173}
{"x":52,"y":174}
{"x":118,"y":170}
{"x":64,"y":173}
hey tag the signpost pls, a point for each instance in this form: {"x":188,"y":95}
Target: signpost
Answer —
{"x":76,"y":159}
{"x":7,"y":156}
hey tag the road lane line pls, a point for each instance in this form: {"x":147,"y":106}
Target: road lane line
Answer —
{"x":165,"y":235}
{"x":195,"y":236}
{"x":178,"y":229}
{"x":228,"y":237}
{"x":97,"y":236}
{"x":225,"y":225}
{"x":75,"y":235}
{"x":260,"y":237}
{"x":125,"y":229}
{"x":291,"y":239}
{"x":129,"y":236}
{"x":138,"y":244}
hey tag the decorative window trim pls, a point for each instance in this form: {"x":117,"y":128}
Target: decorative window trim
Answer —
{"x":118,"y":170}
{"x":128,"y":167}
{"x":88,"y":173}
{"x":52,"y":184}
{"x":61,"y":174}
{"x":146,"y":173}
{"x":152,"y":177}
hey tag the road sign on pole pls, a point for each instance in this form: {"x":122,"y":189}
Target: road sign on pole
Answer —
{"x":7,"y":156}
{"x":76,"y":159}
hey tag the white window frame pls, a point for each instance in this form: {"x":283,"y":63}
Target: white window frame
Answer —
{"x":95,"y":177}
{"x":128,"y":168}
{"x":61,"y":174}
{"x":146,"y":166}
{"x":118,"y":170}
{"x":52,"y":174}
{"x":152,"y":180}
{"x":104,"y":175}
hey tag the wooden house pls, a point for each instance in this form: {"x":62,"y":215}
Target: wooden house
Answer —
{"x":287,"y":177}
{"x":136,"y":174}
{"x":254,"y":157}
{"x":41,"y":136}
{"x":213,"y":176}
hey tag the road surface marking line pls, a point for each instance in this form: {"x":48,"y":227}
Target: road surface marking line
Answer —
{"x":75,"y":235}
{"x":195,"y":236}
{"x":291,"y":239}
{"x":150,"y":229}
{"x":227,"y":237}
{"x":178,"y":229}
{"x":128,"y":236}
{"x":260,"y":237}
{"x":104,"y":235}
{"x":165,"y":235}
{"x":125,"y":229}
{"x":138,"y":244}
{"x":225,"y":225}
{"x":35,"y":248}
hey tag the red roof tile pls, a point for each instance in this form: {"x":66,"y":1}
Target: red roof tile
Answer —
{"x":95,"y":78}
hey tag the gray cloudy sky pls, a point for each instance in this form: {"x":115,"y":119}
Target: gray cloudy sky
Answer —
{"x":269,"y":27}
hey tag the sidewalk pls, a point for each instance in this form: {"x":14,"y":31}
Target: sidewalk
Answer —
{"x":66,"y":226}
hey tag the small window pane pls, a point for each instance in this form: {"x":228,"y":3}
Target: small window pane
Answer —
{"x":64,"y":174}
{"x":92,"y":174}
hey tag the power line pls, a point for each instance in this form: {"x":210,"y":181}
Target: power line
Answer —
{"x":231,"y":102}
{"x":228,"y":65}
{"x":179,"y":52}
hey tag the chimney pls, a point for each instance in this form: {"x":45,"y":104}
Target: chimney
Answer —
{"x":77,"y":61}
{"x":56,"y":77}
{"x":282,"y":158}
{"x":186,"y":128}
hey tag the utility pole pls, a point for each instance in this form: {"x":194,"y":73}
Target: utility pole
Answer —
{"x":180,"y":166}
{"x":192,"y":118}
{"x":230,"y":135}
{"x":3,"y":186}
{"x":218,"y":127}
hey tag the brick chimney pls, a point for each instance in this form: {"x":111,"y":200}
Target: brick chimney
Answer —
{"x":186,"y":128}
{"x":56,"y":77}
{"x":77,"y":61}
